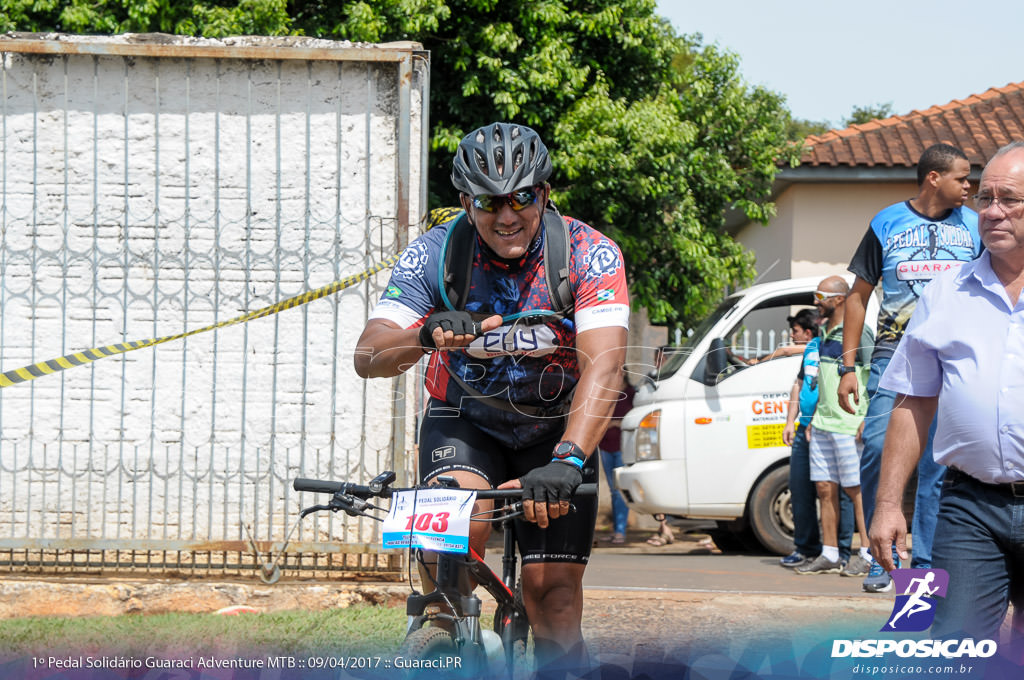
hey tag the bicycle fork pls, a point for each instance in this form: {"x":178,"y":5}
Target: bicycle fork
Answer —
{"x":452,"y":589}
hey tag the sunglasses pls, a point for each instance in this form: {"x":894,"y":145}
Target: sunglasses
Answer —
{"x":517,"y":200}
{"x":818,"y":295}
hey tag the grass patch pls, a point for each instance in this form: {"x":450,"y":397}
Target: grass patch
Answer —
{"x":361,"y":629}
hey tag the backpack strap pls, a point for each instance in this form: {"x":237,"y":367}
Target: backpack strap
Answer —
{"x":556,"y":262}
{"x":457,"y":263}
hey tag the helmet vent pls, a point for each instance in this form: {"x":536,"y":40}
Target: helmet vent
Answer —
{"x":481,"y":161}
{"x":517,"y":160}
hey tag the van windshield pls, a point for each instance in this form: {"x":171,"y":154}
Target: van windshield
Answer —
{"x":675,"y":357}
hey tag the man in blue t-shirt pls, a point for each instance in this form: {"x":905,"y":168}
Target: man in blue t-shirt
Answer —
{"x":906,"y":245}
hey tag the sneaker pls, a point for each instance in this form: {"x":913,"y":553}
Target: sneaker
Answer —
{"x":877,"y":580}
{"x":820,"y":565}
{"x":793,"y":559}
{"x":857,"y":566}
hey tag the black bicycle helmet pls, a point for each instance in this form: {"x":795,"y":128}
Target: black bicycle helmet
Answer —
{"x":498,"y":159}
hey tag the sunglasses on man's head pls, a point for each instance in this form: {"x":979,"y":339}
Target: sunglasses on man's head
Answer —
{"x":517,"y":200}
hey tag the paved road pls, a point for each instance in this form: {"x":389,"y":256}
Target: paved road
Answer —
{"x":710,"y":572}
{"x":648,"y":606}
{"x":692,"y":565}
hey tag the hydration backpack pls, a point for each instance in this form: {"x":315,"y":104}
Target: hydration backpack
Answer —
{"x":456,"y":270}
{"x":457,"y":266}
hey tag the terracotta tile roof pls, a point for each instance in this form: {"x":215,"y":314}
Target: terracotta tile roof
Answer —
{"x":979,"y":125}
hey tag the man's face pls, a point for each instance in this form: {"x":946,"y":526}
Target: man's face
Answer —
{"x":506,"y":231}
{"x":1002,"y":228}
{"x":826,"y":301}
{"x":953,"y":185}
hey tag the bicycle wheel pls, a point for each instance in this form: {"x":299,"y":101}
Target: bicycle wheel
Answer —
{"x":429,"y":652}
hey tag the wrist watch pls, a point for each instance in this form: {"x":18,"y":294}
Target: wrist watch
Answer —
{"x":567,"y":452}
{"x":843,"y":370}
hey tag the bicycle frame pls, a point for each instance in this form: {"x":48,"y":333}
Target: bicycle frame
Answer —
{"x":511,"y":623}
{"x":510,"y":619}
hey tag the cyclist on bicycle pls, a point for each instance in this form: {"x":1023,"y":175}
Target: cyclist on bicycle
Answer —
{"x":513,"y":401}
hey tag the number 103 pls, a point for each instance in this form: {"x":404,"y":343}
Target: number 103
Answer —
{"x":428,"y":520}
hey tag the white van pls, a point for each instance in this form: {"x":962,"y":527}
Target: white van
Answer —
{"x":704,"y":437}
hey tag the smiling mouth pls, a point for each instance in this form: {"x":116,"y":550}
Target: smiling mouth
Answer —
{"x":506,"y":234}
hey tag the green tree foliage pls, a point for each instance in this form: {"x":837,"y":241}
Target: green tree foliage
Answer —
{"x":659,"y":173}
{"x":799,"y":129}
{"x":212,"y":18}
{"x":654,"y":136}
{"x":864,"y":114}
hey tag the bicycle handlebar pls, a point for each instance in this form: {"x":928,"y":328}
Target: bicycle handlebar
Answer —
{"x":363,"y":491}
{"x":317,"y":485}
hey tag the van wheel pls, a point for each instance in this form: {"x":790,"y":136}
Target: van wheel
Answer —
{"x":771,"y":513}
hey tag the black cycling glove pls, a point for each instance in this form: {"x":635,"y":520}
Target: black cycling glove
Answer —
{"x":459,"y":323}
{"x":552,"y":483}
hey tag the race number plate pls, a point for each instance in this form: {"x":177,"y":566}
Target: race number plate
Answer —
{"x":433,"y":519}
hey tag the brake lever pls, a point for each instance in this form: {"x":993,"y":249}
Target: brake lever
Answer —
{"x":500,"y":514}
{"x":314,"y":508}
{"x":352,"y":505}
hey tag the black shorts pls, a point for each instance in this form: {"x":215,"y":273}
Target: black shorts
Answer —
{"x":449,"y":443}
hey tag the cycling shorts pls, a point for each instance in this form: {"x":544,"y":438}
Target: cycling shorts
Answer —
{"x":449,"y":443}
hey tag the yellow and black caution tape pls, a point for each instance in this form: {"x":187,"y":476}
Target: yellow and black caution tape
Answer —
{"x":20,"y":375}
{"x":38,"y":370}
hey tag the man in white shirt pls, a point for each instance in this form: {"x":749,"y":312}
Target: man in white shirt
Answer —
{"x":962,"y":357}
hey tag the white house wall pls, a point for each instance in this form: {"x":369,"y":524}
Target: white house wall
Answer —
{"x":818,"y":227}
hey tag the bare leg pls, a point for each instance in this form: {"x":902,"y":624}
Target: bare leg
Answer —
{"x":828,"y":495}
{"x":858,"y":512}
{"x":553,"y":595}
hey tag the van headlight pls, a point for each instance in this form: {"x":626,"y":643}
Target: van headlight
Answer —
{"x":648,"y":437}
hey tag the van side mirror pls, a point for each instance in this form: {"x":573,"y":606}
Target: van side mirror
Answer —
{"x":715,"y":362}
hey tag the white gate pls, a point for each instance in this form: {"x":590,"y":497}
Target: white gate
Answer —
{"x":153,"y":185}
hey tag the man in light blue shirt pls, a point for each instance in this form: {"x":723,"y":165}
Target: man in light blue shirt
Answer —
{"x":962,"y":358}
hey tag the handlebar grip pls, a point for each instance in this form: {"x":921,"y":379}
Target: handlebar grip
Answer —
{"x":317,"y":485}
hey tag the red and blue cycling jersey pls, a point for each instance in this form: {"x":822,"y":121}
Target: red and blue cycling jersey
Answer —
{"x":533,"y":365}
